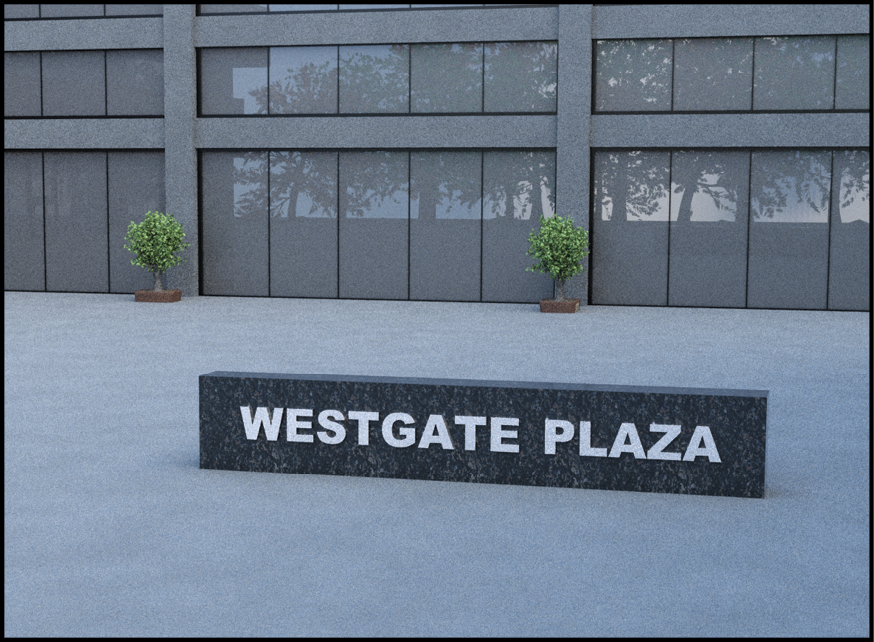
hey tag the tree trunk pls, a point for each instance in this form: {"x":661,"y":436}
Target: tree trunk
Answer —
{"x":561,"y":283}
{"x":158,"y":287}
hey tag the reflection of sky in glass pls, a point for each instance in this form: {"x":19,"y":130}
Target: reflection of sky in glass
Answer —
{"x":795,"y":210}
{"x":393,"y":206}
{"x":247,"y":82}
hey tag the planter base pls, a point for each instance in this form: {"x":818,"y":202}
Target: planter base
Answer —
{"x":165,"y":296}
{"x":568,"y":305}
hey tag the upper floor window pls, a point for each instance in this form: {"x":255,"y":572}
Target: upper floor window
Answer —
{"x":791,"y":73}
{"x":492,"y":77}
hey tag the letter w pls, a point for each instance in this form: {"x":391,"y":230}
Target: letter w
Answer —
{"x":271,"y":426}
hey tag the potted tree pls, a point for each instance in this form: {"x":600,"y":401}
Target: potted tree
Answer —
{"x":155,"y":243}
{"x":559,"y":248}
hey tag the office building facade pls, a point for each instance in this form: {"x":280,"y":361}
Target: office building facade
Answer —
{"x":719,"y":155}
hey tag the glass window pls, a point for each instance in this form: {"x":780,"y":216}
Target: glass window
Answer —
{"x":234,"y":242}
{"x":518,"y":187}
{"x":790,"y":187}
{"x":374,"y":79}
{"x":520,"y":76}
{"x":233,"y":81}
{"x":303,"y":224}
{"x":853,"y":81}
{"x":713,"y":74}
{"x":374,"y":225}
{"x":794,"y":73}
{"x":709,"y":186}
{"x":303,"y":80}
{"x":447,"y":77}
{"x":135,"y":82}
{"x":445,"y":211}
{"x":74,"y":83}
{"x":633,"y":75}
{"x":21,"y":86}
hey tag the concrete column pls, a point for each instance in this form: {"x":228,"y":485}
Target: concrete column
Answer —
{"x":573,"y":123}
{"x":180,"y":154}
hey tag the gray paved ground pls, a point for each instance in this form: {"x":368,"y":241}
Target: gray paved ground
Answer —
{"x":112,"y":529}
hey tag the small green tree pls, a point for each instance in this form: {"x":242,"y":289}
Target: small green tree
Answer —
{"x":155,"y":243}
{"x":559,"y":248}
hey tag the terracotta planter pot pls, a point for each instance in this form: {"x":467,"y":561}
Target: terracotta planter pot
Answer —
{"x":568,"y":305}
{"x":165,"y":296}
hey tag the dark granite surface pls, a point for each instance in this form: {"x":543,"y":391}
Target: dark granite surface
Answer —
{"x":736,"y":420}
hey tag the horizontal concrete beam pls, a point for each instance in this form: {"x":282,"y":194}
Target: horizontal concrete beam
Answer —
{"x":731,"y":130}
{"x":84,"y":133}
{"x":378,"y":27}
{"x":381,"y":132}
{"x":105,"y":33}
{"x":715,"y":20}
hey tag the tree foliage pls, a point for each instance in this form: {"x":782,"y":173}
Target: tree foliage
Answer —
{"x":155,"y":242}
{"x":559,"y":248}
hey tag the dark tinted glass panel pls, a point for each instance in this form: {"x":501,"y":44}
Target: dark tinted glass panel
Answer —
{"x":136,"y":186}
{"x":850,"y":255}
{"x":518,"y":187}
{"x":520,"y":76}
{"x":375,"y":79}
{"x":374,"y":222}
{"x":445,"y":213}
{"x":633,"y":75}
{"x":303,"y":224}
{"x":233,"y":81}
{"x":795,"y":72}
{"x":23,"y":241}
{"x":135,"y":82}
{"x":788,"y":256}
{"x":74,"y":83}
{"x":303,"y":80}
{"x":713,"y":74}
{"x":853,"y":81}
{"x":630,"y":228}
{"x":235,"y":237}
{"x":447,"y":77}
{"x":708,"y":229}
{"x":76,"y":222}
{"x":21,"y":85}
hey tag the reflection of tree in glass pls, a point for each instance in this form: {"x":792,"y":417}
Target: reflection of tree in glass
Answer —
{"x":311,"y":174}
{"x":450,"y":179}
{"x":713,"y":72}
{"x":309,"y":89}
{"x":630,"y":185}
{"x":855,"y":183}
{"x":374,"y":78}
{"x":804,"y":175}
{"x":250,"y":183}
{"x":523,"y":178}
{"x":631,"y":73}
{"x":447,"y":77}
{"x":521,"y":76}
{"x":719,"y":176}
{"x":375,"y":177}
